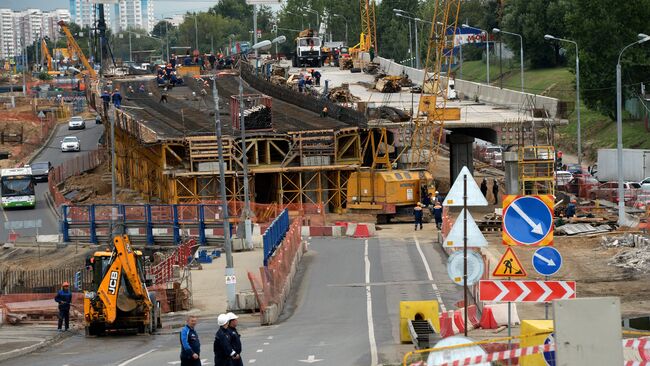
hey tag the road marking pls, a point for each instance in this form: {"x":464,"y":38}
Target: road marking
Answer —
{"x":436,"y":290}
{"x":266,"y":343}
{"x":371,"y":326}
{"x":260,"y":351}
{"x":137,"y":357}
{"x":269,"y":337}
{"x":311,"y":359}
{"x":252,"y":361}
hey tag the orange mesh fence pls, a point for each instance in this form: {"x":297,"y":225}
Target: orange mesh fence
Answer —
{"x":270,"y":288}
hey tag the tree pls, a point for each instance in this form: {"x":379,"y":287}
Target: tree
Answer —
{"x":393,"y":31}
{"x":533,"y":19}
{"x":161,"y":28}
{"x":602,"y":28}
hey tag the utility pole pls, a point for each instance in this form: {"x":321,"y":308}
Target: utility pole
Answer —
{"x":246,"y":214}
{"x":130,"y":50}
{"x":230,"y":270}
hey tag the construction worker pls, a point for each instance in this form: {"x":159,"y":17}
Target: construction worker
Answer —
{"x":316,"y":75}
{"x":324,"y":112}
{"x":495,"y":191}
{"x":163,"y":96}
{"x":439,"y":197}
{"x":301,"y":84}
{"x":190,"y":344}
{"x":64,"y":299}
{"x":223,"y":352}
{"x":570,"y":210}
{"x":417,"y":213}
{"x":484,"y":187}
{"x":235,"y":338}
{"x":437,"y":214}
{"x":106,"y":98}
{"x":117,"y":98}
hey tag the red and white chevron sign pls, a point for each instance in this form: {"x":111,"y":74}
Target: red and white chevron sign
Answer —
{"x":526,"y":291}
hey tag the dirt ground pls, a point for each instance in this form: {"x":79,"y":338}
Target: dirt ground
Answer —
{"x":94,"y":187}
{"x":45,"y":257}
{"x":584,"y":261}
{"x":11,"y":121}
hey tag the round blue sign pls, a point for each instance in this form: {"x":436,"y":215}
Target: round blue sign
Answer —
{"x":547,"y":261}
{"x":549,"y":357}
{"x":527,"y":220}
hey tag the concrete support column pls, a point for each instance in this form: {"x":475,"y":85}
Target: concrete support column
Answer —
{"x":511,"y":166}
{"x":460,"y":154}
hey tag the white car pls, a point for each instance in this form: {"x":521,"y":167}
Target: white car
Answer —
{"x":70,"y":143}
{"x":76,"y":123}
{"x":645,"y":184}
{"x":562,"y":178}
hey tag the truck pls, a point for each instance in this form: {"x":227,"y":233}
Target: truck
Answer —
{"x":118,"y":299}
{"x":636,"y":165}
{"x":308,"y":49}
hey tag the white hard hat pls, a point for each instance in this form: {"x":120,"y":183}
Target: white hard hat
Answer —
{"x":437,"y":192}
{"x":222,"y":319}
{"x":231,"y":316}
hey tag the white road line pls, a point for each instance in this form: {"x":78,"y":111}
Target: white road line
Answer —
{"x":137,"y":357}
{"x":371,"y":325}
{"x":436,"y":290}
{"x":260,"y":351}
{"x":266,"y":343}
{"x":252,"y":361}
{"x":269,"y":337}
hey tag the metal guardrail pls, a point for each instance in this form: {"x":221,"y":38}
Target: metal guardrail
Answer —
{"x":147,"y":223}
{"x":274,"y":234}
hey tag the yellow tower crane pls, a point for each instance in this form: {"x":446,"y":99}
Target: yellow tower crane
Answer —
{"x":368,"y":36}
{"x":428,"y":132}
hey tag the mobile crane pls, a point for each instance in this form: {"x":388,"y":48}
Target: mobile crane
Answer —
{"x":118,"y":298}
{"x":74,"y":48}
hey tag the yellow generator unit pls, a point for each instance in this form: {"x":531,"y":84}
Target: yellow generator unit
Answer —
{"x":388,"y":194}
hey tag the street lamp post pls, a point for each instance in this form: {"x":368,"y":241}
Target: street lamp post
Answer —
{"x":196,"y":31}
{"x":487,"y":49}
{"x":521,"y":52}
{"x":403,"y":14}
{"x":549,"y":37}
{"x":346,"y":26}
{"x":317,"y":17}
{"x":619,"y":128}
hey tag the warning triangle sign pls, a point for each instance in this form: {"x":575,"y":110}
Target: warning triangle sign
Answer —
{"x":509,"y":266}
{"x":474,"y":195}
{"x":475,"y":238}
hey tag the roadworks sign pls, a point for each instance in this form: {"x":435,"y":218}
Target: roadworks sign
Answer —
{"x":509,"y":266}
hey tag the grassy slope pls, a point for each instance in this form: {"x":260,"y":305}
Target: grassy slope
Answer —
{"x":597,"y":130}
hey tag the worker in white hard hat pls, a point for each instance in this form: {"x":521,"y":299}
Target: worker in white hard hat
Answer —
{"x":223,"y":352}
{"x":235,"y":338}
{"x":439,"y":197}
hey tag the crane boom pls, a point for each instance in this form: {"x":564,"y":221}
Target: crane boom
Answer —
{"x":46,"y":54}
{"x":432,"y":108}
{"x":74,"y":46}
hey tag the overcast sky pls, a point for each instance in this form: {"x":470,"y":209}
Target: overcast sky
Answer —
{"x":163,"y":8}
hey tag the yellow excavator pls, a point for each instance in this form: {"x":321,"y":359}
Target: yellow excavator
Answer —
{"x":118,"y":299}
{"x":74,"y":48}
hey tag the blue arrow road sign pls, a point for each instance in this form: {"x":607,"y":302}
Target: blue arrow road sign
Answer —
{"x":547,"y":261}
{"x":528,"y":220}
{"x":549,"y":357}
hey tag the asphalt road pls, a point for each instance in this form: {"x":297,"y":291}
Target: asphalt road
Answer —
{"x":337,"y":319}
{"x":52,"y":153}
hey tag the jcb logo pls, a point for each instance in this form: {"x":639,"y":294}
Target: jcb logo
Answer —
{"x":112,"y":283}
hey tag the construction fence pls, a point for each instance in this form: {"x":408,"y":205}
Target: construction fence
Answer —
{"x":272,"y":286}
{"x":274,"y":235}
{"x":41,"y":281}
{"x":75,"y":166}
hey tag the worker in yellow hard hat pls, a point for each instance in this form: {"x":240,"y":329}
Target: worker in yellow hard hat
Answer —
{"x":64,"y":299}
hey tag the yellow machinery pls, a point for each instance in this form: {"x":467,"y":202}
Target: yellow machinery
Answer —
{"x":75,"y":49}
{"x":119,"y":299}
{"x":48,"y":58}
{"x":368,"y":37}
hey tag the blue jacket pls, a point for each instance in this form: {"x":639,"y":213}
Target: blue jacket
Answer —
{"x":223,"y":352}
{"x":235,"y":342}
{"x":437,"y":213}
{"x":64,"y":298}
{"x":570,"y":210}
{"x":190,"y":343}
{"x":418,"y":214}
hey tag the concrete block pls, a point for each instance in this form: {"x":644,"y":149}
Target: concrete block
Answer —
{"x":270,"y":315}
{"x":352,"y":227}
{"x":246,"y":300}
{"x":337,"y":231}
{"x":258,"y":241}
{"x":371,"y":229}
{"x":238,"y":244}
{"x":257,"y":230}
{"x":305,"y":231}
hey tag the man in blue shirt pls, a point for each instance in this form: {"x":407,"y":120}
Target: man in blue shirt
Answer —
{"x":224,"y":355}
{"x":64,"y":299}
{"x":235,"y":338}
{"x":190,"y":344}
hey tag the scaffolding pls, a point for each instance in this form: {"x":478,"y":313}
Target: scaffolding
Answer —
{"x":536,"y":170}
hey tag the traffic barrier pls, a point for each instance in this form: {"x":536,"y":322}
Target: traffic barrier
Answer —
{"x":500,"y":356}
{"x":472,"y":320}
{"x":496,"y":315}
{"x":362,"y":231}
{"x":448,"y":326}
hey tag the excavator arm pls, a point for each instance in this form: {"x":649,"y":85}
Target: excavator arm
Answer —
{"x":74,"y":46}
{"x":46,"y":54}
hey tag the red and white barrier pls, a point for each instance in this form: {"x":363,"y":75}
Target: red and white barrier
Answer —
{"x":448,"y":326}
{"x":496,"y":315}
{"x":500,"y":356}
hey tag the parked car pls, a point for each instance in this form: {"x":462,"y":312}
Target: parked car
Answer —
{"x":645,"y":184}
{"x":40,"y":170}
{"x":580,"y":185}
{"x":76,"y":123}
{"x":487,"y":153}
{"x":575,"y":169}
{"x":609,"y":191}
{"x":70,"y":143}
{"x":562,"y":178}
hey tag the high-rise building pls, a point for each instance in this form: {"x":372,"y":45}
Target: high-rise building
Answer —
{"x":20,"y":28}
{"x":134,"y":14}
{"x":8,"y":39}
{"x":85,"y":13}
